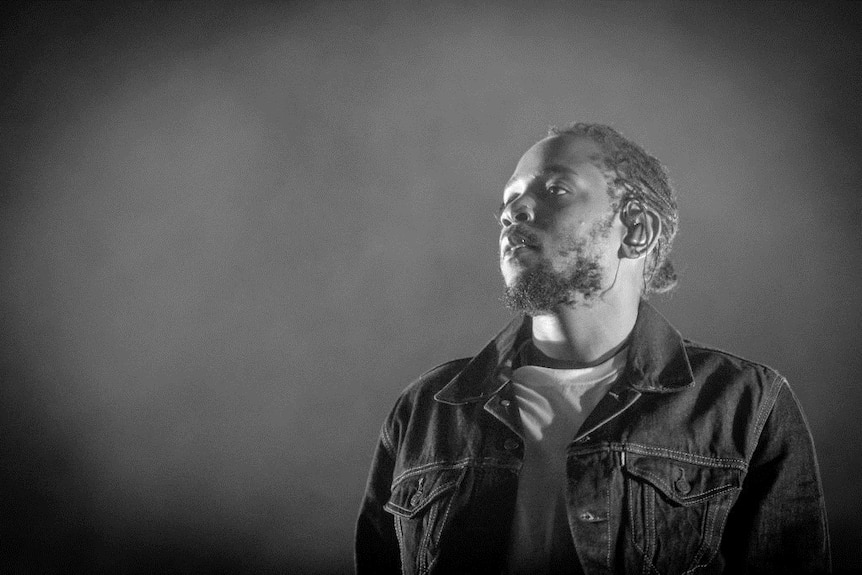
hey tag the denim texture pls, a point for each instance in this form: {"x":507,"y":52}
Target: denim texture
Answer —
{"x":696,"y":461}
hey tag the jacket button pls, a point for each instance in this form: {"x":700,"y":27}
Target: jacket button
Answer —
{"x":511,"y":444}
{"x":683,"y":487}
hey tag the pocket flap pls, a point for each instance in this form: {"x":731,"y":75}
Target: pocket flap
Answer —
{"x":411,"y":495}
{"x":682,"y":482}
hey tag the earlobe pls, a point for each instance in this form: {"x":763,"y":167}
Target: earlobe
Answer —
{"x":643,"y":228}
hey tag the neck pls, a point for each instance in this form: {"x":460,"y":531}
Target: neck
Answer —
{"x":585,"y":335}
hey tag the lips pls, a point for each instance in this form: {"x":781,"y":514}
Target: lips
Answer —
{"x":518,"y":237}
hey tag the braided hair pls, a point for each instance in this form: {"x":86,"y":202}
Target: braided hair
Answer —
{"x":633,"y":174}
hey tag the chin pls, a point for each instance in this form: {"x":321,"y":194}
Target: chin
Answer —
{"x":511,"y":274}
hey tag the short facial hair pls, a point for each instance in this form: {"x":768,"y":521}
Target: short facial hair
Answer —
{"x":542,"y":290}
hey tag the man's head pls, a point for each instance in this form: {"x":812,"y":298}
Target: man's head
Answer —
{"x":581,"y":202}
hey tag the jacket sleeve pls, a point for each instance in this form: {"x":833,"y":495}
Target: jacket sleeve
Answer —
{"x":376,"y":549}
{"x":778,"y":524}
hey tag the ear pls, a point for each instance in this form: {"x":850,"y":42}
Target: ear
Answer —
{"x":643,"y":229}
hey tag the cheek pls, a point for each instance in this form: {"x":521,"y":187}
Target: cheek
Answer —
{"x":571,"y":244}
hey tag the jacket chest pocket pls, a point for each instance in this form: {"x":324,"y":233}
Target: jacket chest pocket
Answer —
{"x":421,"y":504}
{"x":676,"y":511}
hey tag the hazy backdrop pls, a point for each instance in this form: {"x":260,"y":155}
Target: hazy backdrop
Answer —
{"x":230,"y":235}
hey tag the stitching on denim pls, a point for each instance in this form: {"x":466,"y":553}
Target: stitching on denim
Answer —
{"x":767,"y":406}
{"x":445,"y":519}
{"x":400,"y":535}
{"x":748,"y":362}
{"x":652,"y":522}
{"x":720,"y":530}
{"x":426,"y":499}
{"x":630,"y":489}
{"x":611,"y":417}
{"x":608,"y":515}
{"x":423,"y":551}
{"x":662,"y":452}
{"x":763,"y":408}
{"x":647,"y":552}
{"x":647,"y":563}
{"x":433,"y":562}
{"x":648,"y":548}
{"x":683,"y":456}
{"x":644,"y":566}
{"x":711,"y":512}
{"x":453,"y":465}
{"x":650,"y":502}
{"x":694,"y":499}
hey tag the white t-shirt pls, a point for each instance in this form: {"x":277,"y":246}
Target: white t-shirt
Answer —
{"x":553,"y":405}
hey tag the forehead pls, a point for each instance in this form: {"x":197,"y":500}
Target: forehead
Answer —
{"x":573,"y":152}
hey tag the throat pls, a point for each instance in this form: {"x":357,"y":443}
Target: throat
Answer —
{"x":562,"y":357}
{"x":585,"y":340}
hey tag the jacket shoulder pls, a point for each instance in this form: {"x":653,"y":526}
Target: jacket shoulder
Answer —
{"x":706,"y":359}
{"x":434,"y":379}
{"x":731,"y":398}
{"x":724,"y":378}
{"x":416,"y":401}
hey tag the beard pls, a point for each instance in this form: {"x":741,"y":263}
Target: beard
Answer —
{"x":541,"y":289}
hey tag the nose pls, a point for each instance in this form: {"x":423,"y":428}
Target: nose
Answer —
{"x":518,"y":210}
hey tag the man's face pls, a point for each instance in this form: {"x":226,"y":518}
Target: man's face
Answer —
{"x":560,"y":233}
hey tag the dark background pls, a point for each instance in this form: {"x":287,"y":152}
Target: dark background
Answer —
{"x":230,"y":235}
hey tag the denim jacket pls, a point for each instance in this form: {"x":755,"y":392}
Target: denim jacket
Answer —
{"x":695,"y":461}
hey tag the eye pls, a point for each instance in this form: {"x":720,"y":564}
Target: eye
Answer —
{"x":556,"y":190}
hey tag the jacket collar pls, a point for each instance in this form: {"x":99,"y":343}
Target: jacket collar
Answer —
{"x":656,"y":361}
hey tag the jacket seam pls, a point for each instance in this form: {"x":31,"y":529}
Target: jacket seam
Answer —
{"x":718,"y":543}
{"x":702,"y":347}
{"x":439,"y":489}
{"x":649,"y":505}
{"x":458,"y":464}
{"x":688,"y":457}
{"x":647,"y":564}
{"x":608,"y":523}
{"x":424,"y":549}
{"x":712,"y":511}
{"x":766,"y":408}
{"x":684,"y":500}
{"x":433,"y":372}
{"x":683,"y":456}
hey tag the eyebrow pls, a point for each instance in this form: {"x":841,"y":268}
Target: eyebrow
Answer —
{"x":554,"y":169}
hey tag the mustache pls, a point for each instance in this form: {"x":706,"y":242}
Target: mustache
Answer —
{"x":520,"y":234}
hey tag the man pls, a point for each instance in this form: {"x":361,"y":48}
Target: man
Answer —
{"x":589,"y":436}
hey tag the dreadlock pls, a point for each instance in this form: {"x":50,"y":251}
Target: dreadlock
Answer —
{"x":633,"y":174}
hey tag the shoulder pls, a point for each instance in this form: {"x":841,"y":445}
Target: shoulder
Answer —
{"x":423,"y":388}
{"x":778,"y":423}
{"x":415,"y":404}
{"x":714,"y":363}
{"x":436,"y":378}
{"x":736,"y":382}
